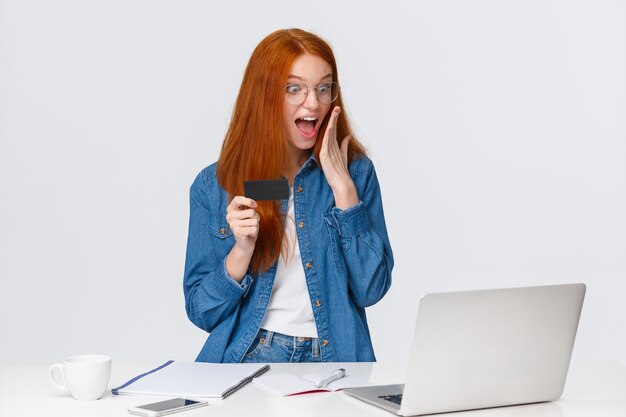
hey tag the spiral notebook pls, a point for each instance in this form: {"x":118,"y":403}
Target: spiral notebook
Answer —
{"x":192,"y":379}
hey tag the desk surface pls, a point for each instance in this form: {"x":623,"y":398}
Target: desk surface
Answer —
{"x":593,"y":389}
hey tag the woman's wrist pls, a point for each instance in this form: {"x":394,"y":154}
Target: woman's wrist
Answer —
{"x":237,"y":263}
{"x":346,"y":196}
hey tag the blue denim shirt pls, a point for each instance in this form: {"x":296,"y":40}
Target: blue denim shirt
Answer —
{"x":346,"y":257}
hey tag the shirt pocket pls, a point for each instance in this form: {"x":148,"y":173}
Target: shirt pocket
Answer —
{"x":218,"y":226}
{"x":335,"y":244}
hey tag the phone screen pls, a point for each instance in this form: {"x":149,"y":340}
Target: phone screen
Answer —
{"x":168,"y":405}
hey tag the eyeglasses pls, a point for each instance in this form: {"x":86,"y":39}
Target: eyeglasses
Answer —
{"x":296,"y":93}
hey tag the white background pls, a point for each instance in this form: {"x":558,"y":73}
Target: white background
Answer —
{"x":497,"y":128}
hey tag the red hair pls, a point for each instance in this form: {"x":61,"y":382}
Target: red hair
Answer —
{"x":255,"y":146}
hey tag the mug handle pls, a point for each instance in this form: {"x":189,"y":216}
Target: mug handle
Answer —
{"x":62,"y":386}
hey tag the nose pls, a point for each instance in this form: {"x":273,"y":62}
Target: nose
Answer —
{"x":311,"y":101}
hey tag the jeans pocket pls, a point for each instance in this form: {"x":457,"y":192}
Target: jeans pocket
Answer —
{"x":255,"y":347}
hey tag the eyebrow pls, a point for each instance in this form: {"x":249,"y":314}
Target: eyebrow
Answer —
{"x":329,"y":75}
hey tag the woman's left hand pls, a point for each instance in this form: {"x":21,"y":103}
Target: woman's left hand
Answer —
{"x":334,"y":162}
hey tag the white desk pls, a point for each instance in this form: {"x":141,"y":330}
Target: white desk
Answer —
{"x":593,"y":389}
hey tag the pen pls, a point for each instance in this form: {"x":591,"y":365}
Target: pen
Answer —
{"x":337,"y":374}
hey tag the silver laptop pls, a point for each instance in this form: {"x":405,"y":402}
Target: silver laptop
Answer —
{"x":481,"y":349}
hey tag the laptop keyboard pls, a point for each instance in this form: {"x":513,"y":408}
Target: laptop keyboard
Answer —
{"x":395,"y":398}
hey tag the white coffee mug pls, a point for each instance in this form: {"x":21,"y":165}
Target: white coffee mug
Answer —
{"x":84,"y":376}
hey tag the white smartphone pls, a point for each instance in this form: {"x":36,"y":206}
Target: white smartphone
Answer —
{"x":163,"y":408}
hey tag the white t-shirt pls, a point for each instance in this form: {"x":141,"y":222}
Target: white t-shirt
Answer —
{"x":289,"y":310}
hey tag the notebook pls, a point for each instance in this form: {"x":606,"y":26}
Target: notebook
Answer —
{"x":290,"y":384}
{"x":192,"y":379}
{"x":488,"y":348}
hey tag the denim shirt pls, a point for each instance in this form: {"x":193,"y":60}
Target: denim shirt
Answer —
{"x":346,"y":257}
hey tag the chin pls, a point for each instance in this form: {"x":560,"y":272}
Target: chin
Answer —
{"x":302,"y":144}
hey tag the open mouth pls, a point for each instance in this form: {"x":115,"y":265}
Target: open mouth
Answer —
{"x":306,"y":125}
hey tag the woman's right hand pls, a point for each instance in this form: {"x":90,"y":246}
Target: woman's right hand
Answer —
{"x":244,"y":222}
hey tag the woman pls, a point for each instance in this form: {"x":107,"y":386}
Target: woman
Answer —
{"x":287,"y":281}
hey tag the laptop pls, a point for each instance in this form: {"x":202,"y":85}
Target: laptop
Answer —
{"x":482,"y":349}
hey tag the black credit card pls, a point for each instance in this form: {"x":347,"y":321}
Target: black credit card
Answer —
{"x":266,"y":189}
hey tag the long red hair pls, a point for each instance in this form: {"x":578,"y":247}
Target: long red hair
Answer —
{"x":255,"y":146}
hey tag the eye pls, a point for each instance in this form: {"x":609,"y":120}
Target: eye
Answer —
{"x":324,"y":88}
{"x":293,"y":88}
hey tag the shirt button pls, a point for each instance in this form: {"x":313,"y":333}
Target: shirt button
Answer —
{"x":324,"y":343}
{"x":301,"y":225}
{"x":223,"y":231}
{"x":299,"y":189}
{"x":318,"y":303}
{"x":308,"y":265}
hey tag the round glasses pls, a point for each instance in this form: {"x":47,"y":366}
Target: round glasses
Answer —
{"x":296,"y":93}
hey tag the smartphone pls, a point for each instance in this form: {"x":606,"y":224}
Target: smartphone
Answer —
{"x":163,"y":408}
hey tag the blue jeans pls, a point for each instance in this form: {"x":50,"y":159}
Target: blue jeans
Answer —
{"x":269,"y":346}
